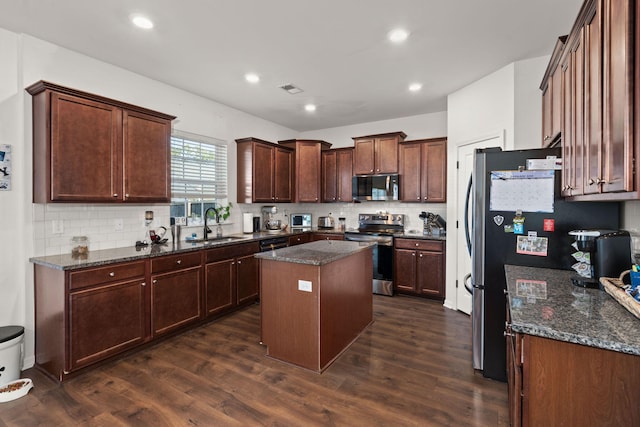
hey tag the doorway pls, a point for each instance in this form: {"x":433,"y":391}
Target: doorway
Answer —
{"x":463,"y":258}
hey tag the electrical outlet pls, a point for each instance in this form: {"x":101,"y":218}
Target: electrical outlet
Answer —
{"x":118,"y":224}
{"x":57,"y":226}
{"x":305,"y":285}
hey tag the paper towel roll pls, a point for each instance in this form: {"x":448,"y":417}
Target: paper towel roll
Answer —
{"x":247,"y":222}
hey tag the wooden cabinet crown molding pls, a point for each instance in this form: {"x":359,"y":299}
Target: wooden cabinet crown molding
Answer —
{"x":42,"y":85}
{"x":401,"y":135}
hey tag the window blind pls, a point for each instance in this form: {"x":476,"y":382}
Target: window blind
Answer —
{"x":198,"y":167}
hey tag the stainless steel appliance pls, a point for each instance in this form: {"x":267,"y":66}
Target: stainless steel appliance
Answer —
{"x":271,"y":224}
{"x":539,"y":237}
{"x":326,"y":222}
{"x":273,"y":243}
{"x":379,"y":228}
{"x":375,"y":187}
{"x":301,"y":220}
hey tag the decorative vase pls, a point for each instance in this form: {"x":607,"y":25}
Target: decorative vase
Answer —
{"x":219,"y":230}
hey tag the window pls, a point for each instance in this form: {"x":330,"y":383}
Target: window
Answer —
{"x":198,"y":174}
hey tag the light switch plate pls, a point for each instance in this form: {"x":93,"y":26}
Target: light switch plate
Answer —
{"x":305,"y":285}
{"x":57,"y":226}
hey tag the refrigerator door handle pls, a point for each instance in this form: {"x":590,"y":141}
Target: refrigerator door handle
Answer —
{"x":467,"y":203}
{"x":467,"y":283}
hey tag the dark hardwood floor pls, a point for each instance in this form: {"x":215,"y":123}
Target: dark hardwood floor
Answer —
{"x":411,"y":367}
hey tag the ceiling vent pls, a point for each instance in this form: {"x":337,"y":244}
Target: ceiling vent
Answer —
{"x":291,"y":88}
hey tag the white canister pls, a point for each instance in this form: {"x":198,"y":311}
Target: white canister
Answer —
{"x":247,"y":223}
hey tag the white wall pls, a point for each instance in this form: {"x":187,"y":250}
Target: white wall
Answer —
{"x":27,"y":228}
{"x":506,"y":102}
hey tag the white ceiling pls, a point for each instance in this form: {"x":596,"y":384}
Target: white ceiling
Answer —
{"x":335,"y":50}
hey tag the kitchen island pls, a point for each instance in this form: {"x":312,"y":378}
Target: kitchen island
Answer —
{"x":572,"y":353}
{"x":315,"y":300}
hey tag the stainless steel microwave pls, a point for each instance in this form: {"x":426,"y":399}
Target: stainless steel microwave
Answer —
{"x":375,"y":187}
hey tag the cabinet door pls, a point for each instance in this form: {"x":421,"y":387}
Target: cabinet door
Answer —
{"x":546,"y":115}
{"x":593,"y":101}
{"x":263,"y":173}
{"x":308,"y":172}
{"x":434,"y":172}
{"x":387,"y":155}
{"x":247,"y":280}
{"x":410,"y":172}
{"x":578,"y":141}
{"x":86,"y":148}
{"x":147,"y":159}
{"x":326,"y":236}
{"x":556,"y":100}
{"x":405,"y":270}
{"x":617,"y":155}
{"x":219,"y":279}
{"x":104,"y":321}
{"x":430,"y":269}
{"x":283,"y":175}
{"x":344,"y":174}
{"x":175,"y":300}
{"x":568,"y":127}
{"x":514,"y":379}
{"x":329,"y":176}
{"x":364,"y":156}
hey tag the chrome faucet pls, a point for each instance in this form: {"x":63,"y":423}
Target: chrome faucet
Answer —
{"x":206,"y":229}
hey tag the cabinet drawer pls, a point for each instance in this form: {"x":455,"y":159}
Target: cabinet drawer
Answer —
{"x":104,"y":275}
{"x":422,"y":245}
{"x":232,"y":251}
{"x":175,"y":262}
{"x":299,"y":239}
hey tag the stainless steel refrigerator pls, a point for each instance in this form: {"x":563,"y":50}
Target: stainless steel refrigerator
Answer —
{"x":501,"y":182}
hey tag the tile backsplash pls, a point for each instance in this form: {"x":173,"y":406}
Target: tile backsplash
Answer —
{"x":112,"y":226}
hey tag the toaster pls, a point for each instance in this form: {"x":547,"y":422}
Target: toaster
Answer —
{"x":326,"y":222}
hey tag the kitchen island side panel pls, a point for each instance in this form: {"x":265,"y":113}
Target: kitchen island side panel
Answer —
{"x":346,"y":303}
{"x":290,"y":317}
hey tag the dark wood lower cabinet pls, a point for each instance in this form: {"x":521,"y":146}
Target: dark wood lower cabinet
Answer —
{"x":419,"y":267}
{"x":117,"y":311}
{"x":175,"y":300}
{"x":231,"y":278}
{"x":87,"y":315}
{"x":555,"y":383}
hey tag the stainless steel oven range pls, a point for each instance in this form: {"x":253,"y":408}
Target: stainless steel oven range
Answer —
{"x":379,"y":228}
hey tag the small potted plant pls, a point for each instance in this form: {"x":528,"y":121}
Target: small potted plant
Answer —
{"x":221,"y":213}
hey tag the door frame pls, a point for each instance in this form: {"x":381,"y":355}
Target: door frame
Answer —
{"x":454,"y":278}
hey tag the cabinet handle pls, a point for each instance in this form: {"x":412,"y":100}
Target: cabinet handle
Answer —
{"x":115,"y":194}
{"x":420,"y":255}
{"x":508,"y":334}
{"x":154,"y":281}
{"x":413,"y":254}
{"x":547,"y":137}
{"x":112,"y":274}
{"x":600,"y":181}
{"x":233,"y":263}
{"x":179,"y":262}
{"x":417,"y":244}
{"x":126,"y":196}
{"x":591,"y":181}
{"x":506,"y":292}
{"x":144,"y":284}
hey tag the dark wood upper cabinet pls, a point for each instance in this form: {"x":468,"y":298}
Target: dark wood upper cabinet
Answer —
{"x":600,"y":73}
{"x":337,"y":171}
{"x":264,"y":171}
{"x":551,"y":87}
{"x":376,"y":154}
{"x":423,"y":170}
{"x":87,"y":148}
{"x":307,"y":168}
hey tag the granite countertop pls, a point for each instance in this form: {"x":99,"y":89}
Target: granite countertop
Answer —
{"x":316,"y":253}
{"x":132,"y":253}
{"x":543,"y":302}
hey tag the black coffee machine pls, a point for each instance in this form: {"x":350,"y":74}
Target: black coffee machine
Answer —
{"x":606,"y":253}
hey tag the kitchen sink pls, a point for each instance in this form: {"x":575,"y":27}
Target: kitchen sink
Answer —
{"x":213,"y":240}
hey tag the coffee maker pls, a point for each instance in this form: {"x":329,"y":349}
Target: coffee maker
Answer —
{"x":601,"y":253}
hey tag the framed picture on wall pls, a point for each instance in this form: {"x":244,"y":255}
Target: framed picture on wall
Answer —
{"x":5,"y":167}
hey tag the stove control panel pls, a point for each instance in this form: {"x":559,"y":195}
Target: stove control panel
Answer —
{"x":381,"y":219}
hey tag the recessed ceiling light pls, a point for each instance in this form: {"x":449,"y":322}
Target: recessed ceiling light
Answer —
{"x":142,"y":22}
{"x":415,"y":87}
{"x":310,"y":108}
{"x":398,"y":35}
{"x":252,"y":77}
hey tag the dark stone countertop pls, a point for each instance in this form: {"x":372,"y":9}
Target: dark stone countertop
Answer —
{"x":316,"y":253}
{"x":543,"y":302}
{"x":131,"y":253}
